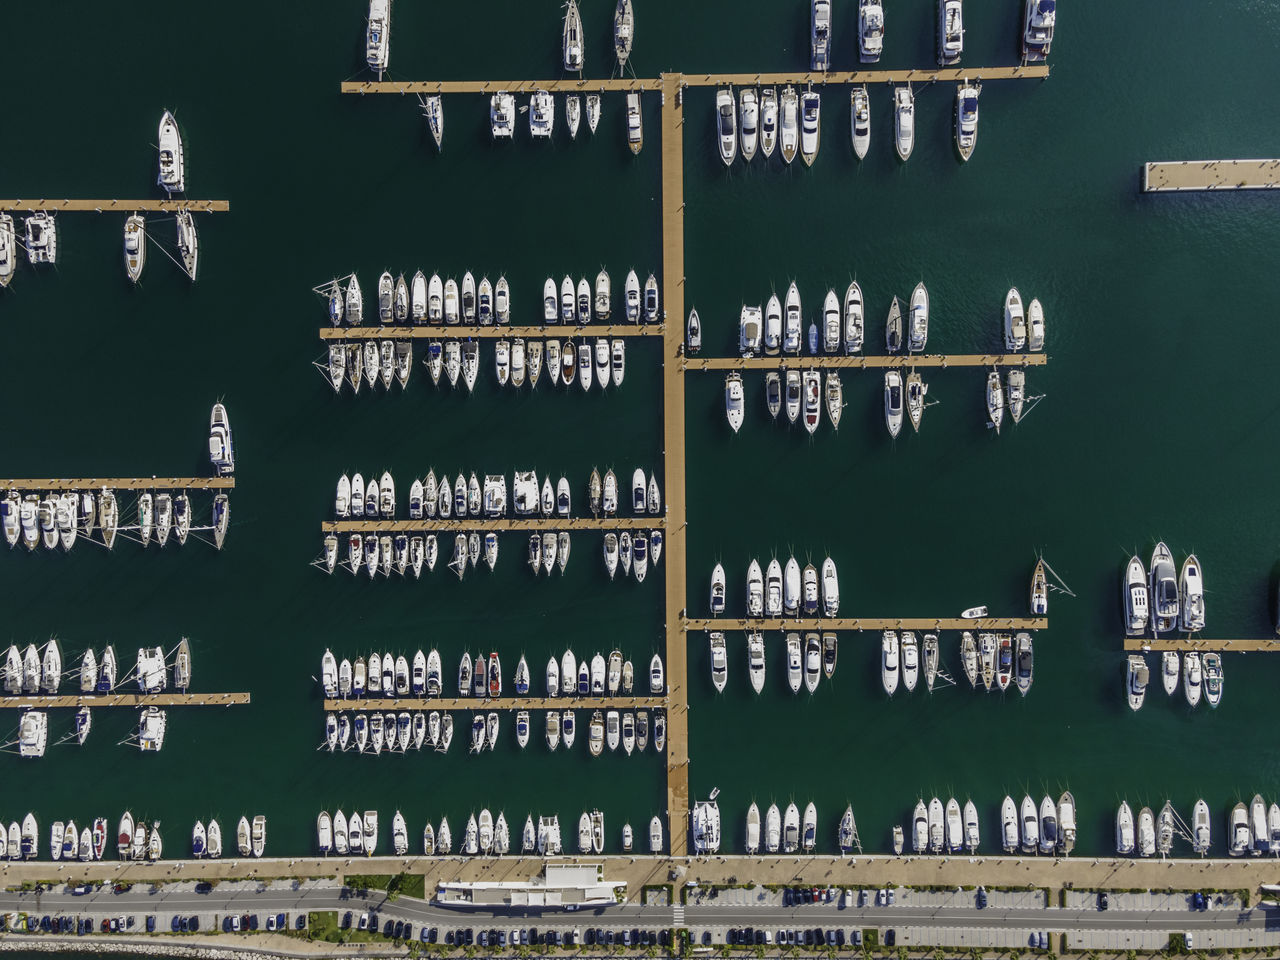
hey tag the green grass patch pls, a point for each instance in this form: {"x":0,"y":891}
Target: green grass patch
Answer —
{"x":409,"y":884}
{"x":871,"y":939}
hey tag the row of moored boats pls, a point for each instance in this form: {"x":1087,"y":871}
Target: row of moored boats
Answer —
{"x":1153,"y":597}
{"x":59,"y":519}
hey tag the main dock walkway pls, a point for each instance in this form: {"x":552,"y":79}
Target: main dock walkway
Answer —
{"x":1187,"y":175}
{"x":493,"y":523}
{"x":130,"y":483}
{"x":870,"y":623}
{"x":38,"y":702}
{"x":438,"y":331}
{"x":117,"y":206}
{"x":858,"y":361}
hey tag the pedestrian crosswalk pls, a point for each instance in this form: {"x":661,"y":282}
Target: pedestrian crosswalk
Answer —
{"x":677,"y":915}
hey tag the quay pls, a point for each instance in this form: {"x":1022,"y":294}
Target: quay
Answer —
{"x":673,"y":454}
{"x":557,"y":524}
{"x":1187,"y":175}
{"x":37,"y":702}
{"x":1201,"y":644}
{"x":131,"y":483}
{"x":858,"y":361}
{"x":121,"y":206}
{"x":499,"y":703}
{"x":458,"y":332}
{"x":819,"y":624}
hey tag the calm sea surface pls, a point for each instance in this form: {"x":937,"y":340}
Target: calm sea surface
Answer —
{"x":1154,"y":424}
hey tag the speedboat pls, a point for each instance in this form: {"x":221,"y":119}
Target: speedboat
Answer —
{"x":635,"y":123}
{"x":1035,"y":326}
{"x":1191,"y":592}
{"x":1009,"y":825}
{"x":773,"y":392}
{"x":920,"y":827}
{"x":1200,"y":833}
{"x":811,"y":385}
{"x":772,"y":325}
{"x":574,"y":54}
{"x":502,"y":301}
{"x":377,"y":36}
{"x":791,"y":588}
{"x":791,"y":829}
{"x":950,"y":32}
{"x":717,"y":590}
{"x":135,"y":246}
{"x":793,"y":395}
{"x":995,"y":400}
{"x":790,"y":136}
{"x":773,"y":589}
{"x":749,"y":331}
{"x":810,"y":125}
{"x":1213,"y":678}
{"x":172,"y":176}
{"x":733,"y":400}
{"x":1015,"y":327}
{"x":966,"y":119}
{"x":1258,"y":825}
{"x":910,"y":653}
{"x":623,"y":31}
{"x":1170,"y":670}
{"x":749,"y":128}
{"x":1146,"y":832}
{"x":768,"y":120}
{"x":795,"y":662}
{"x":1124,"y":829}
{"x":904,"y":120}
{"x":1134,"y":597}
{"x":1192,"y":677}
{"x":1030,"y":824}
{"x":631,"y":296}
{"x":889,"y":672}
{"x":820,"y":34}
{"x":831,"y":327}
{"x":1163,"y":590}
{"x":1004,"y":661}
{"x":755,"y":661}
{"x":651,"y":299}
{"x":853,"y":318}
{"x":860,"y":120}
{"x":1025,"y":663}
{"x":1037,"y":29}
{"x":603,"y":301}
{"x":755,"y":590}
{"x":918,"y":323}
{"x":830,"y":588}
{"x":812,"y":661}
{"x":220,"y":449}
{"x":893,"y":401}
{"x":955,"y":826}
{"x":1049,"y":836}
{"x":726,"y":125}
{"x":871,"y":30}
{"x":1238,"y":831}
{"x":1136,"y":680}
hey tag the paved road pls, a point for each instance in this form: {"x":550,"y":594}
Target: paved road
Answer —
{"x":248,"y":897}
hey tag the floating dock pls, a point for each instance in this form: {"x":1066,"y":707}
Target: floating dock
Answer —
{"x":568,"y":524}
{"x":457,"y":332}
{"x":499,"y":703}
{"x":118,"y":206}
{"x":673,"y":453}
{"x":828,"y":624}
{"x":38,"y":702}
{"x":1180,"y":176}
{"x":857,"y":361}
{"x":1201,"y":645}
{"x":130,"y":483}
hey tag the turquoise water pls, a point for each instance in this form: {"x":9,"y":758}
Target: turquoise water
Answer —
{"x":1151,"y":427}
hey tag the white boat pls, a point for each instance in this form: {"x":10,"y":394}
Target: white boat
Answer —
{"x":893,"y":401}
{"x":967,"y":120}
{"x":1037,"y":29}
{"x":502,"y":301}
{"x":768,"y":120}
{"x":542,"y":115}
{"x":572,"y":113}
{"x":1136,"y":680}
{"x":1170,"y":670}
{"x":811,"y":390}
{"x":655,"y":835}
{"x":657,"y":684}
{"x":1024,"y":663}
{"x":812,"y":661}
{"x":995,"y":400}
{"x":950,"y":32}
{"x":593,"y":111}
{"x":135,"y":247}
{"x":1201,"y":837}
{"x":1135,"y":598}
{"x":904,"y":120}
{"x":1191,"y":593}
{"x":1008,"y":825}
{"x":1163,"y":590}
{"x":889,"y":669}
{"x":1165,"y":828}
{"x":651,"y":310}
{"x":789,"y":139}
{"x":172,"y":176}
{"x":502,"y":115}
{"x":749,"y":331}
{"x":378,"y":36}
{"x":1030,"y":825}
{"x":623,"y":31}
{"x":810,"y":125}
{"x":918,"y":319}
{"x":860,"y":120}
{"x":717,"y":590}
{"x":755,"y":590}
{"x":791,"y":829}
{"x":749,"y":122}
{"x":755,"y":661}
{"x":830,"y":588}
{"x":631,"y":294}
{"x":820,"y":34}
{"x":871,"y":30}
{"x":574,"y":52}
{"x":635,"y":123}
{"x":40,"y":231}
{"x":1035,"y":326}
{"x":1192,"y":678}
{"x":618,"y":361}
{"x":726,"y":125}
{"x":1213,"y":678}
{"x":1124,"y":829}
{"x":1258,"y":826}
{"x":791,"y":588}
{"x":1015,"y":327}
{"x":1146,"y":832}
{"x":8,"y":261}
{"x":220,"y":447}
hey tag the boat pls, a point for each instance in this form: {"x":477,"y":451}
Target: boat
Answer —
{"x":920,"y":827}
{"x":889,"y":656}
{"x":1165,"y":828}
{"x":1025,"y":662}
{"x":773,"y":392}
{"x":1200,"y":832}
{"x":969,"y":658}
{"x":655,"y":835}
{"x":220,"y":448}
{"x":1009,"y":825}
{"x":1136,"y":680}
{"x":755,"y":661}
{"x":749,"y":123}
{"x":950,"y":32}
{"x":502,"y":301}
{"x":1192,"y":678}
{"x":791,"y":829}
{"x":1037,"y":29}
{"x":1124,"y":829}
{"x":904,"y":121}
{"x":572,"y":113}
{"x":1191,"y":593}
{"x":910,"y":653}
{"x":773,"y":589}
{"x":40,"y":231}
{"x":542,"y":115}
{"x":916,"y":390}
{"x":693,"y":334}
{"x":1015,"y":327}
{"x":768,"y":121}
{"x":574,"y":54}
{"x":1146,"y":832}
{"x":172,"y":176}
{"x":1004,"y":661}
{"x":954,"y":827}
{"x":893,"y":401}
{"x":502,"y":115}
{"x":789,"y":139}
{"x":893,"y":327}
{"x":966,"y":119}
{"x":1134,"y":597}
{"x":651,"y":299}
{"x":860,"y":120}
{"x":623,"y":31}
{"x":971,"y":835}
{"x":635,"y":123}
{"x":1213,"y":678}
{"x":810,"y":125}
{"x":1238,"y":836}
{"x":871,"y":30}
{"x":135,"y":247}
{"x":931,"y":653}
{"x":657,"y":684}
{"x":820,"y":34}
{"x":8,"y":263}
{"x":995,"y":400}
{"x":812,"y":661}
{"x":726,"y":125}
{"x":1030,"y":825}
{"x":811,"y":389}
{"x":1163,"y":590}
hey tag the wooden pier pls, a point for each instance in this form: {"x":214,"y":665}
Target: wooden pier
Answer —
{"x":1202,"y":645}
{"x":39,"y":702}
{"x":467,"y":524}
{"x":117,"y":206}
{"x":131,"y":483}
{"x":830,"y":624}
{"x":483,"y":704}
{"x":858,"y":361}
{"x":673,"y":453}
{"x":456,"y":332}
{"x":1180,"y":176}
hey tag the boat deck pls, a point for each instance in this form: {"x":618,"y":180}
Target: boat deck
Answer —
{"x":828,"y":624}
{"x":1202,"y":644}
{"x":130,"y":483}
{"x":1189,"y":175}
{"x":117,"y":206}
{"x":859,"y":361}
{"x":39,"y":702}
{"x":485,"y":704}
{"x":438,"y":331}
{"x":556,"y":524}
